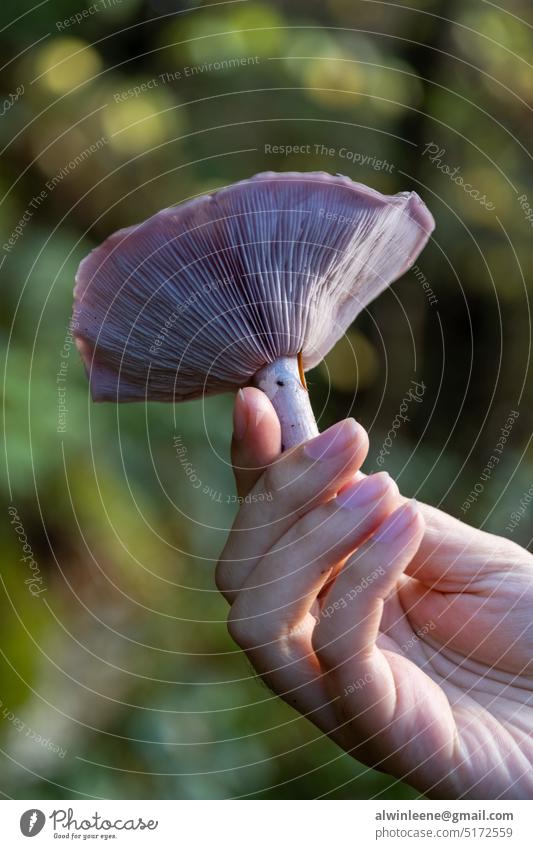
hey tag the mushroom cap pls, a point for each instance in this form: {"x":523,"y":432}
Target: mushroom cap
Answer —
{"x":199,"y":297}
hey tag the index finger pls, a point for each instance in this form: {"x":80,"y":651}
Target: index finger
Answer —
{"x":299,"y":480}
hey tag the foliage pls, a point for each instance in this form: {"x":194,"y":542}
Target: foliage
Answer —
{"x":124,"y":660}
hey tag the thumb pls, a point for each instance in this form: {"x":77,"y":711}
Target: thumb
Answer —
{"x":256,"y":437}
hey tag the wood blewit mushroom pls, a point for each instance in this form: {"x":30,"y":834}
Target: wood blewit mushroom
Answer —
{"x":253,"y":284}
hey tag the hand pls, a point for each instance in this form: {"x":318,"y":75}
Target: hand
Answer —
{"x":403,"y":634}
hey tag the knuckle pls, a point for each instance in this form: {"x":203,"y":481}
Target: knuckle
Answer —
{"x":284,"y":472}
{"x":323,"y":644}
{"x":269,"y":681}
{"x":239,"y":629}
{"x":293,"y":489}
{"x":307,"y":526}
{"x":220,"y":576}
{"x":251,"y":632}
{"x":274,"y":477}
{"x":225,"y":578}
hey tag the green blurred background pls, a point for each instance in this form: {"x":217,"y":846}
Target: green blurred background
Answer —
{"x":118,"y":679}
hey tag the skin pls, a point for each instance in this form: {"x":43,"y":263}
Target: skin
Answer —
{"x":402,"y":633}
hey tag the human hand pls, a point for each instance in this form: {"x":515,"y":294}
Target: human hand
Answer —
{"x":402,"y":633}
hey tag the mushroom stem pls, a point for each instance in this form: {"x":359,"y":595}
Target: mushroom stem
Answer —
{"x":281,"y":381}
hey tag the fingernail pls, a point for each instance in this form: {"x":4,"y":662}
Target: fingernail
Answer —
{"x":364,"y":491}
{"x":262,"y":407}
{"x":240,"y":416}
{"x":395,"y":525}
{"x":333,"y":441}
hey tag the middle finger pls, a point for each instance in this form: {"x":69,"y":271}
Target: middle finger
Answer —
{"x":300,"y":480}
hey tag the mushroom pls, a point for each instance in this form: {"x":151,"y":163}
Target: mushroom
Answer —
{"x":253,"y":284}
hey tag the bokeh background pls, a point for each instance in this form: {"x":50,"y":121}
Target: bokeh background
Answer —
{"x":117,"y":676}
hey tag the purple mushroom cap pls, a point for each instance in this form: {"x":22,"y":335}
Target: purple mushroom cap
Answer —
{"x":201,"y":296}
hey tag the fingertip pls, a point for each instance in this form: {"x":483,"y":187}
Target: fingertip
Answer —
{"x":363,"y":437}
{"x":404,"y":523}
{"x":345,"y":436}
{"x":251,"y":407}
{"x":261,"y":440}
{"x":357,"y":433}
{"x":260,"y":410}
{"x":361,"y":442}
{"x":418,"y":524}
{"x":361,"y":490}
{"x":256,"y":436}
{"x":240,"y":415}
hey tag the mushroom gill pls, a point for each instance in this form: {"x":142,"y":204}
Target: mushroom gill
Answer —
{"x":252,"y":284}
